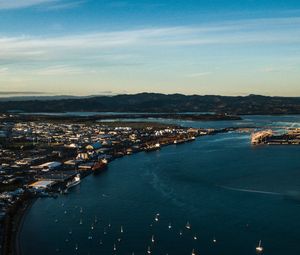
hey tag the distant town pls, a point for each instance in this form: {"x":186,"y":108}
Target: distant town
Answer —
{"x":46,"y":155}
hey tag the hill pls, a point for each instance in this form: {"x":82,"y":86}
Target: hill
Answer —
{"x":160,"y":103}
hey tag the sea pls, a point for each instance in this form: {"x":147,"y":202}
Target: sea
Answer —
{"x":217,"y":195}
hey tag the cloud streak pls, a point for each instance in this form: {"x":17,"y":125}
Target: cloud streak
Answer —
{"x":82,"y":47}
{"x":48,"y":4}
{"x":252,"y":31}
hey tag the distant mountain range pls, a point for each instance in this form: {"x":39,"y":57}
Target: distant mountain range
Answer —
{"x":157,"y":103}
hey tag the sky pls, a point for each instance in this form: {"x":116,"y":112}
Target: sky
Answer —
{"x":93,"y":47}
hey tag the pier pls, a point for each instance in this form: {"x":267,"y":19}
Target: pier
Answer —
{"x":292,"y":137}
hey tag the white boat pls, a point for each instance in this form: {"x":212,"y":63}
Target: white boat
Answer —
{"x":188,"y":225}
{"x":152,"y":239}
{"x":193,"y":252}
{"x":259,"y":248}
{"x":74,"y":182}
{"x":149,"y":250}
{"x":121,"y":230}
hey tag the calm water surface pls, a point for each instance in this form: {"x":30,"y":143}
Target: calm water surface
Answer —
{"x":225,"y":188}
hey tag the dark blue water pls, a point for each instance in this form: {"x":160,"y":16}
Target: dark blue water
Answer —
{"x":227,"y":190}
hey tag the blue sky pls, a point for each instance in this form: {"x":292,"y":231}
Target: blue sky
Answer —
{"x":84,"y":47}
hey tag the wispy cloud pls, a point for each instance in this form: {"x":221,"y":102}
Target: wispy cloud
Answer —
{"x":64,"y":5}
{"x":62,"y":70}
{"x":3,"y":70}
{"x":271,"y":69}
{"x":201,"y":74}
{"x":49,"y":4}
{"x":86,"y":46}
{"x":16,"y":4}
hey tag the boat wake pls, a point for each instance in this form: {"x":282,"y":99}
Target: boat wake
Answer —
{"x":252,"y":191}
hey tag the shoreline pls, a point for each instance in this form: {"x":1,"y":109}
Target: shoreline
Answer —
{"x":20,"y":222}
{"x":14,"y":225}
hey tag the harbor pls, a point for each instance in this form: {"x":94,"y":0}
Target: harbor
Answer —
{"x":47,"y":159}
{"x":167,"y":196}
{"x":65,"y":157}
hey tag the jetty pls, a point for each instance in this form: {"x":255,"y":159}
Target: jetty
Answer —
{"x":290,"y":137}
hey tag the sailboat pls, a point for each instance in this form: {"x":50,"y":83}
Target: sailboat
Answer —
{"x":259,"y":248}
{"x":188,"y":225}
{"x":149,"y":250}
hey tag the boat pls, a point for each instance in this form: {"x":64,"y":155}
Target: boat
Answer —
{"x":188,"y":225}
{"x":170,"y":226}
{"x":152,"y":239}
{"x":193,"y":252}
{"x":149,"y":250}
{"x":121,"y":230}
{"x":152,"y":147}
{"x":100,"y":165}
{"x":259,"y":248}
{"x":74,"y":182}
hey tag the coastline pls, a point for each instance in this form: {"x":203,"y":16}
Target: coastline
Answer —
{"x":20,"y":222}
{"x":13,"y":227}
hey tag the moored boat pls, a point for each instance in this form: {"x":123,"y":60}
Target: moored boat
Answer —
{"x":74,"y":182}
{"x":100,"y":165}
